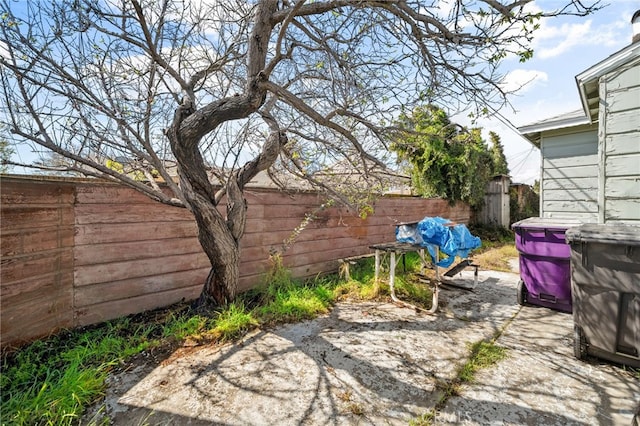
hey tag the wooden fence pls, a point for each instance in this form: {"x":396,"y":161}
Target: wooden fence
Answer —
{"x":78,"y":252}
{"x":495,"y":211}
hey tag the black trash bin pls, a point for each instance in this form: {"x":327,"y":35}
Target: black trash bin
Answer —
{"x":605,"y":288}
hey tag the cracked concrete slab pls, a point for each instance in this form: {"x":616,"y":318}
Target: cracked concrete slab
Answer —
{"x":380,"y":364}
{"x":541,"y":382}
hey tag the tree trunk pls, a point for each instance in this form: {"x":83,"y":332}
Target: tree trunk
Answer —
{"x":223,"y":250}
{"x":220,"y":236}
{"x":222,"y":282}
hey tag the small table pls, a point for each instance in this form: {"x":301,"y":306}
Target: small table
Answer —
{"x":397,"y":248}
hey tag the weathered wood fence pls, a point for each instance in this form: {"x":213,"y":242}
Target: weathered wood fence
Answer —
{"x":77,"y":252}
{"x":495,"y":211}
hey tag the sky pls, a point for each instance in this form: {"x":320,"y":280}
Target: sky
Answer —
{"x":563,"y":48}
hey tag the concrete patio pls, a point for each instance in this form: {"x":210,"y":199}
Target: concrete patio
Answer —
{"x":379,"y":364}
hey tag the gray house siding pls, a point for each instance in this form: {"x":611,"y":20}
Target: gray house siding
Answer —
{"x":591,"y":157}
{"x":570,"y":174}
{"x":619,"y":136}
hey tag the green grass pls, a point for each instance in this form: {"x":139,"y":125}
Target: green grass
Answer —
{"x":483,"y":355}
{"x":51,"y":381}
{"x":296,"y":303}
{"x":363,"y":285}
{"x":54,"y":380}
{"x":425,"y":419}
{"x":233,"y":322}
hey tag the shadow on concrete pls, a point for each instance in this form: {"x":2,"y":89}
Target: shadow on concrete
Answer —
{"x":541,"y":382}
{"x":479,"y":412}
{"x":366,"y":363}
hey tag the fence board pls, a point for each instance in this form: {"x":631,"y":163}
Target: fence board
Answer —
{"x":14,"y":292}
{"x":128,"y":213}
{"x":16,"y":193}
{"x":126,"y":232}
{"x":125,"y":289}
{"x":97,"y":313}
{"x":16,"y":268}
{"x":26,"y":216}
{"x":135,"y":250}
{"x":117,"y":271}
{"x":20,"y":242}
{"x":110,"y":193}
{"x":36,"y":315}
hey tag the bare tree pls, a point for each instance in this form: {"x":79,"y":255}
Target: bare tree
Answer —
{"x":245,"y":87}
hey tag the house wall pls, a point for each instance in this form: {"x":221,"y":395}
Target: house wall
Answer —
{"x":619,"y":137}
{"x":569,"y":186}
{"x":78,"y":252}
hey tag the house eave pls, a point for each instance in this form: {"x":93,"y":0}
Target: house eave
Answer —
{"x":588,"y":80}
{"x":533,"y":132}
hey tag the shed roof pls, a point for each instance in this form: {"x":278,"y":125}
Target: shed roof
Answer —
{"x":567,"y":120}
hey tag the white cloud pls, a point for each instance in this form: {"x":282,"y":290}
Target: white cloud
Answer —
{"x":554,"y":40}
{"x":521,"y":80}
{"x":443,"y":7}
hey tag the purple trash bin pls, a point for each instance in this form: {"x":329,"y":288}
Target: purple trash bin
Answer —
{"x":545,"y":262}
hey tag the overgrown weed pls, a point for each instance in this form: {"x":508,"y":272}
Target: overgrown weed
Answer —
{"x":53,"y":380}
{"x":492,"y":236}
{"x":497,"y":259}
{"x":409,"y":285}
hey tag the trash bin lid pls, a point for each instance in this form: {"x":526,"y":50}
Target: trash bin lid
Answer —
{"x":604,"y":233}
{"x":546,"y":223}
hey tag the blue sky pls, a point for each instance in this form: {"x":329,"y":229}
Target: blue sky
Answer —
{"x":563,"y":48}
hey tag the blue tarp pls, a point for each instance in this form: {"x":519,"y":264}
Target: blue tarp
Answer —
{"x":431,"y":231}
